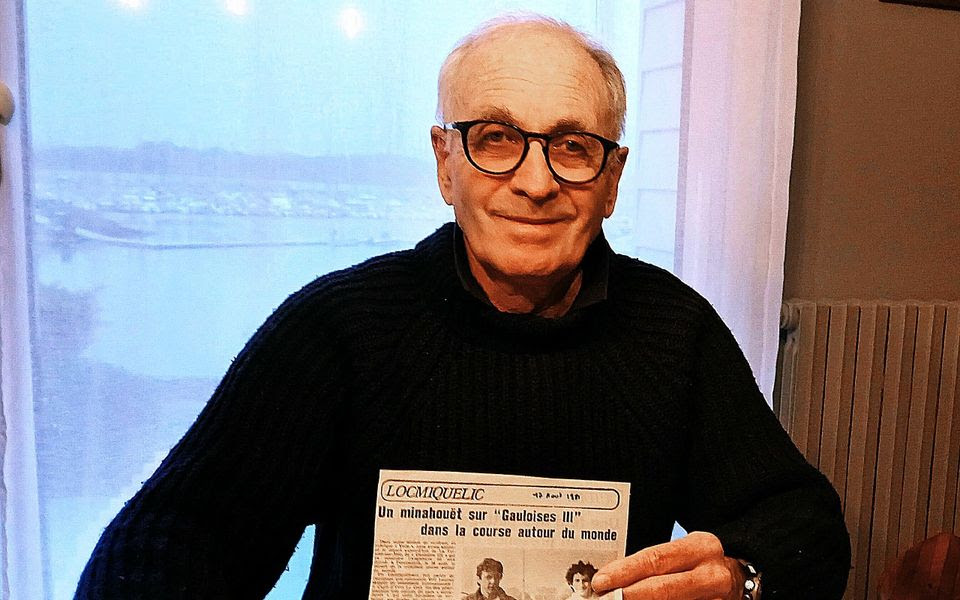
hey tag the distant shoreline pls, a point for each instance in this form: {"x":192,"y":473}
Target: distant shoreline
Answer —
{"x":116,"y":241}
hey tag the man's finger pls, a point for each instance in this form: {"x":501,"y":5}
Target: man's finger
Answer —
{"x":675,"y":556}
{"x":707,"y":581}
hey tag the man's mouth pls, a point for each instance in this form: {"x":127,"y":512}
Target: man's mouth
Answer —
{"x":525,"y":220}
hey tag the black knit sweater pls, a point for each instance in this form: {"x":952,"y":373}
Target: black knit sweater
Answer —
{"x":391,"y":364}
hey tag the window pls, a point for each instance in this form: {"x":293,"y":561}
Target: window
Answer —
{"x":191,"y":164}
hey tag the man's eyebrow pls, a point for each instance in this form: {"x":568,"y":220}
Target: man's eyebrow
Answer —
{"x":567,"y":125}
{"x":497,"y":113}
{"x":502,"y":113}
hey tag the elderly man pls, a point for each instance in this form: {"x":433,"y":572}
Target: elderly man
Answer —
{"x":519,"y":310}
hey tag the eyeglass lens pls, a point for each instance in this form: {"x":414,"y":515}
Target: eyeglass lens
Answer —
{"x":498,"y":148}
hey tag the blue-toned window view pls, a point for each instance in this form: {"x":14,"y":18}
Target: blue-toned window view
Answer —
{"x":193,"y":163}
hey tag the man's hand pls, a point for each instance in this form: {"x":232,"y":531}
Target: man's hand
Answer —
{"x":690,"y":568}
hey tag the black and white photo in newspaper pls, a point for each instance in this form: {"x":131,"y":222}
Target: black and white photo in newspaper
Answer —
{"x":480,"y":536}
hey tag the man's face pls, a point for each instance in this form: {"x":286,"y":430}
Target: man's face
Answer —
{"x":489,"y":582}
{"x":527,"y":224}
{"x":581,"y":585}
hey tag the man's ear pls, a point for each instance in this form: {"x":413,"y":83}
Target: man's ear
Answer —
{"x":615,"y":166}
{"x":438,"y":138}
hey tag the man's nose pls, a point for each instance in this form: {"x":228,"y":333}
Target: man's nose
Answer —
{"x":533,"y":177}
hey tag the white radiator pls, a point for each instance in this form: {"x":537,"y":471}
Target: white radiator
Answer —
{"x":870,"y":393}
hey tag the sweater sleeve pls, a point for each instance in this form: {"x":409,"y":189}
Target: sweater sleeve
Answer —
{"x":223,"y":513}
{"x":748,"y":484}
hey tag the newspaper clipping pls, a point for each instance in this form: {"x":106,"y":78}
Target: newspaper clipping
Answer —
{"x":476,"y":536}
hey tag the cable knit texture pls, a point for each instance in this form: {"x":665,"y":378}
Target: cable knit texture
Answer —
{"x":391,"y":364}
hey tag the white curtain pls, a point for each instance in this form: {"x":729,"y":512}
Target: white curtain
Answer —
{"x":20,"y":562}
{"x":739,"y":100}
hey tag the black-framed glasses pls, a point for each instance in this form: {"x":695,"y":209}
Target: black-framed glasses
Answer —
{"x":498,"y":148}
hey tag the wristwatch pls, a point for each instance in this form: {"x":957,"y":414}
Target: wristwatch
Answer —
{"x":751,"y":581}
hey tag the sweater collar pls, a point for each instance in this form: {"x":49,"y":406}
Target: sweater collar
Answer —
{"x":595,"y":266}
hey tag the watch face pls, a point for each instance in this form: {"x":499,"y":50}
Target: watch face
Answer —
{"x":750,"y":584}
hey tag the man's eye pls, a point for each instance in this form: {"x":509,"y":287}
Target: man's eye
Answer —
{"x":499,"y":137}
{"x":573,"y":147}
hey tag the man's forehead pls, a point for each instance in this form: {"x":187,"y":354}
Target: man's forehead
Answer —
{"x":535,"y":79}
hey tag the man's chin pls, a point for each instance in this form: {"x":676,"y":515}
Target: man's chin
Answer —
{"x":530,"y":267}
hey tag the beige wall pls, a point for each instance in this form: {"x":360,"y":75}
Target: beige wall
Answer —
{"x":875,"y":189}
